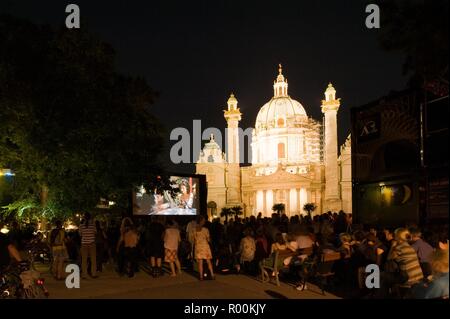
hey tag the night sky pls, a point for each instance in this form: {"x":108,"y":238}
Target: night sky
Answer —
{"x":196,"y":52}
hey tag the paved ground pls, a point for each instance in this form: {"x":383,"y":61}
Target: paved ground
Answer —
{"x":143,"y":286}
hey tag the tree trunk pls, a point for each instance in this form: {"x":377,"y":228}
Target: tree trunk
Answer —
{"x":44,"y":201}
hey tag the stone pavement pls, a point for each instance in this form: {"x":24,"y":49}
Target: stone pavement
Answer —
{"x":185,"y":286}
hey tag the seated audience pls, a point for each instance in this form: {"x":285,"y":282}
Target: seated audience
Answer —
{"x":423,"y":251}
{"x":437,"y":288}
{"x":247,"y":250}
{"x":279,"y":243}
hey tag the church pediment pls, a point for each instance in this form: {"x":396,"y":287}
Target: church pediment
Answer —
{"x":280,"y":176}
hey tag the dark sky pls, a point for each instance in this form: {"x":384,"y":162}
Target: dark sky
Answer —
{"x":196,"y":52}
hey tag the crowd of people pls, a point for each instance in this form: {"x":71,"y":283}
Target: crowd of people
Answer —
{"x":412,"y":261}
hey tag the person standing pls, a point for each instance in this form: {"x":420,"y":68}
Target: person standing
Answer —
{"x":190,"y":231}
{"x":201,"y":247}
{"x":88,"y":250}
{"x":100,"y":244}
{"x":217,"y":236}
{"x":128,"y":241}
{"x":171,"y":241}
{"x":59,"y":250}
{"x":120,"y":247}
{"x":155,"y":245}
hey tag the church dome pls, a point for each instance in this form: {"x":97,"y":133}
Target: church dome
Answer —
{"x":281,"y":110}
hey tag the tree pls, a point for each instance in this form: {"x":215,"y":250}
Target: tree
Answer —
{"x":70,"y":123}
{"x":418,"y":29}
{"x":237,"y":211}
{"x":309,"y":208}
{"x":225,"y":212}
{"x":279,"y":208}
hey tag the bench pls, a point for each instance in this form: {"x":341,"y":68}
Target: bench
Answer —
{"x":273,"y":264}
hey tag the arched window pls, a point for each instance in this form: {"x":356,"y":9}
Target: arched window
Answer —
{"x":280,"y":122}
{"x":281,"y":151}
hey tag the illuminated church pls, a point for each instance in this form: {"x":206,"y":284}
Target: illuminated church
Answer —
{"x":294,"y":161}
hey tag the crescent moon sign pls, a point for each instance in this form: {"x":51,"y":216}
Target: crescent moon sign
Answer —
{"x":407,"y":194}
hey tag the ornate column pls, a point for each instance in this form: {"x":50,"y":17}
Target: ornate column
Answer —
{"x":233,"y":115}
{"x":330,"y":107}
{"x":264,"y":203}
{"x":288,"y":202}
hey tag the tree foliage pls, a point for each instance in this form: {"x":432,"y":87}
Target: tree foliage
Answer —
{"x":279,"y":208}
{"x":237,"y":211}
{"x":70,"y":121}
{"x":226,"y":212}
{"x":309,"y":208}
{"x":419,"y":29}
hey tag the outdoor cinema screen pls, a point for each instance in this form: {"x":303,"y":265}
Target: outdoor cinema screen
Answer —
{"x":182,"y":200}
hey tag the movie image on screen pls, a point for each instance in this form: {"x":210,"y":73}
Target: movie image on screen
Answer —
{"x":183,"y":200}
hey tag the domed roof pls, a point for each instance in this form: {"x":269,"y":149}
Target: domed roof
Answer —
{"x":211,"y":152}
{"x":212,"y":144}
{"x":281,"y":106}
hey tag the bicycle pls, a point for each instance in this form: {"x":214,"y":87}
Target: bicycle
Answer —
{"x":40,"y":256}
{"x":19,"y":282}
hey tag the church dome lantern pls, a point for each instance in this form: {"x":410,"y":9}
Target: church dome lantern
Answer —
{"x":281,"y":110}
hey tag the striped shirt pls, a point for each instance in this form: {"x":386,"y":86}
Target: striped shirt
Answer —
{"x":87,"y":233}
{"x":408,"y":261}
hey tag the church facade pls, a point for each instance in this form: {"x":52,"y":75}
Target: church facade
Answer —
{"x":295,"y":159}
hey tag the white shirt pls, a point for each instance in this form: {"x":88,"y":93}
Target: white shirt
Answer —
{"x":171,"y":238}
